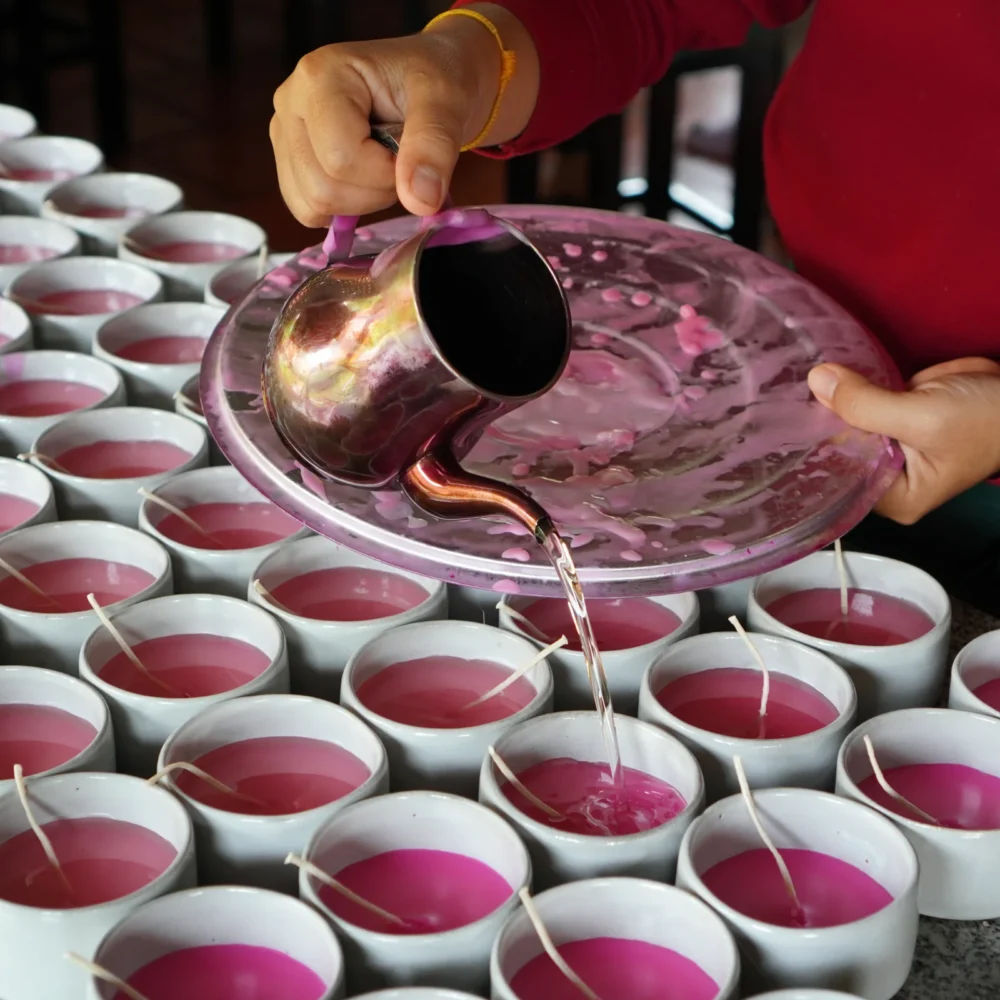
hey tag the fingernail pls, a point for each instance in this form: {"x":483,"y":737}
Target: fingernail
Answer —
{"x":823,"y":382}
{"x":427,"y":186}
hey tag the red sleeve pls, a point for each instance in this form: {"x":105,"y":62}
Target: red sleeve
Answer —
{"x":596,"y":55}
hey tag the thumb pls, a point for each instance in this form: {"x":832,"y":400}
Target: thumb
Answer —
{"x":862,"y":405}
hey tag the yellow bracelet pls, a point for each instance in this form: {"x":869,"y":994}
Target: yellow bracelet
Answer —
{"x":508,"y":63}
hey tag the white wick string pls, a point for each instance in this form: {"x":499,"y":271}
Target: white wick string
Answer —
{"x":43,"y":838}
{"x":522,"y":620}
{"x":99,"y":972}
{"x":176,"y":511}
{"x":550,"y":949}
{"x":890,"y":791}
{"x":25,"y":456}
{"x":755,"y":652}
{"x":502,"y":767}
{"x":180,"y":398}
{"x":219,"y":786}
{"x":518,"y":674}
{"x":845,"y":604}
{"x":269,"y":597}
{"x":32,"y":586}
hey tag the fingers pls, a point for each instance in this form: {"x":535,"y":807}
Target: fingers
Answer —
{"x":960,"y":366}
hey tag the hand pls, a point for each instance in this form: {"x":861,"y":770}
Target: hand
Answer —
{"x":947,"y":423}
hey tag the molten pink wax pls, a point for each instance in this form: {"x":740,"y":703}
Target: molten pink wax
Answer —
{"x":727,"y":701}
{"x":989,"y":693}
{"x":957,"y":796}
{"x":432,"y":891}
{"x":437,"y":691}
{"x":15,"y":510}
{"x":585,"y":795}
{"x":618,"y":968}
{"x":38,"y":173}
{"x":102,"y":858}
{"x":122,"y":459}
{"x":39,"y":737}
{"x":94,"y":211}
{"x":285,"y":774}
{"x":164,"y":350}
{"x":19,"y":253}
{"x":69,"y":581}
{"x":227,"y":972}
{"x":84,"y":301}
{"x":193,"y":252}
{"x":622,"y":623}
{"x":231,"y":525}
{"x":192,"y":665}
{"x":44,"y":397}
{"x":349,"y":594}
{"x":872,"y":620}
{"x":830,"y":891}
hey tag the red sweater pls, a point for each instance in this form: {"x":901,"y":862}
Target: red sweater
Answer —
{"x":882,"y":146}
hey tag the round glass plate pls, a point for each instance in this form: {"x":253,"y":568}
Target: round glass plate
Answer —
{"x":681,"y":448}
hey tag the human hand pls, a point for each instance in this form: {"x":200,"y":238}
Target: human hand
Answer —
{"x":947,"y":423}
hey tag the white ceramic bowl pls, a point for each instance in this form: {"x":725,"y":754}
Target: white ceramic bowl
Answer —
{"x":54,"y":640}
{"x":15,"y":328}
{"x":18,"y":479}
{"x":142,"y":723}
{"x":319,"y":650}
{"x":219,"y":915}
{"x":187,"y":402}
{"x":42,"y":238}
{"x":188,"y":281}
{"x":115,"y":499}
{"x":233,"y":282}
{"x":977,"y":664}
{"x":457,"y":959}
{"x":136,"y":196}
{"x":251,"y":850}
{"x":34,"y":942}
{"x":66,"y":156}
{"x":870,"y":957}
{"x":809,"y":761}
{"x":625,"y":908}
{"x":557,"y":856}
{"x":197,"y":570}
{"x":63,"y":331}
{"x":16,"y":123}
{"x":908,"y":675}
{"x":805,"y":995}
{"x":624,"y":667}
{"x":959,"y":869}
{"x":417,"y":993}
{"x":446,"y":760}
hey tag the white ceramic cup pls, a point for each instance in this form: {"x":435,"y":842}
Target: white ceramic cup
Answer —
{"x":114,"y":499}
{"x":977,"y":663}
{"x":233,"y":282}
{"x":216,"y":915}
{"x":54,"y":640}
{"x":137,"y":196}
{"x":142,"y":723}
{"x":907,"y":675}
{"x":33,"y":941}
{"x":446,"y":760}
{"x":959,"y":869}
{"x":16,"y":123}
{"x":809,"y":761}
{"x":63,"y":331}
{"x":17,"y":433}
{"x":558,"y":856}
{"x":187,"y":402}
{"x":188,"y":281}
{"x":15,"y":327}
{"x":217,"y":571}
{"x":416,"y":993}
{"x":319,"y":650}
{"x":44,"y":240}
{"x":52,"y":689}
{"x":870,"y":957}
{"x":18,"y":479}
{"x":624,"y":908}
{"x":70,"y":157}
{"x":458,"y":959}
{"x":805,"y":994}
{"x":624,"y":667}
{"x":149,"y":383}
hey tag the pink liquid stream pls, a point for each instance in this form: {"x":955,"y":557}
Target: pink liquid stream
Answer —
{"x":15,"y":510}
{"x":69,"y":581}
{"x":231,"y":525}
{"x":164,"y":350}
{"x":349,"y":594}
{"x":623,"y":623}
{"x":39,"y":737}
{"x":122,"y":459}
{"x":45,"y":397}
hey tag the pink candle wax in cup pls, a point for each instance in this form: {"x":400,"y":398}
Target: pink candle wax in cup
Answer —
{"x":19,"y":253}
{"x":122,"y":459}
{"x":585,"y":795}
{"x":618,"y":968}
{"x":69,"y":581}
{"x":15,"y":510}
{"x":727,"y":701}
{"x":45,"y":397}
{"x":193,"y":666}
{"x":164,"y":350}
{"x":873,"y":619}
{"x":436,"y":692}
{"x":432,"y":891}
{"x":84,"y":302}
{"x":95,"y":211}
{"x":957,"y":796}
{"x":622,"y":623}
{"x":193,"y":252}
{"x":830,"y":891}
{"x":988,"y":693}
{"x":231,"y":526}
{"x":349,"y":594}
{"x":37,"y":173}
{"x":285,"y":774}
{"x":39,"y":737}
{"x":102,"y":859}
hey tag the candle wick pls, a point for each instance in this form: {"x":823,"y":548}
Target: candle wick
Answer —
{"x":219,"y":786}
{"x":890,"y":791}
{"x":43,"y":839}
{"x":26,"y":456}
{"x":845,"y":604}
{"x":180,"y":397}
{"x":526,"y":623}
{"x":270,"y":598}
{"x":765,"y":692}
{"x":99,"y":972}
{"x":177,"y":512}
{"x":30,"y":584}
{"x":517,"y":674}
{"x":502,"y":767}
{"x":262,"y":260}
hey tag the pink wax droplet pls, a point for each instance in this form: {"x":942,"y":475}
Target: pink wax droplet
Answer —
{"x":615,"y":967}
{"x":194,"y":252}
{"x":231,"y":525}
{"x":69,"y":581}
{"x":621,"y":623}
{"x":578,"y":541}
{"x":518,"y":555}
{"x":37,"y":173}
{"x":709,"y":374}
{"x":630,"y":555}
{"x":521,"y":469}
{"x":988,"y":693}
{"x":15,"y":510}
{"x":641,"y":299}
{"x":84,"y":302}
{"x":285,"y":774}
{"x":554,"y":262}
{"x":506,"y":587}
{"x":572,"y":250}
{"x":432,"y":891}
{"x":122,"y":459}
{"x":15,"y":253}
{"x":717,"y":546}
{"x":227,"y":972}
{"x":164,"y":350}
{"x":612,"y":295}
{"x":567,"y":283}
{"x":600,"y":256}
{"x":435,"y":692}
{"x":695,"y":392}
{"x":873,"y":619}
{"x":726,"y":700}
{"x":599,"y":340}
{"x":311,"y":481}
{"x":103,"y":859}
{"x":364,"y":234}
{"x":193,"y":665}
{"x":956,"y":795}
{"x":44,"y":397}
{"x":349,"y":594}
{"x":695,"y":334}
{"x":831,"y":891}
{"x":94,"y":211}
{"x":39,"y":737}
{"x":656,"y":544}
